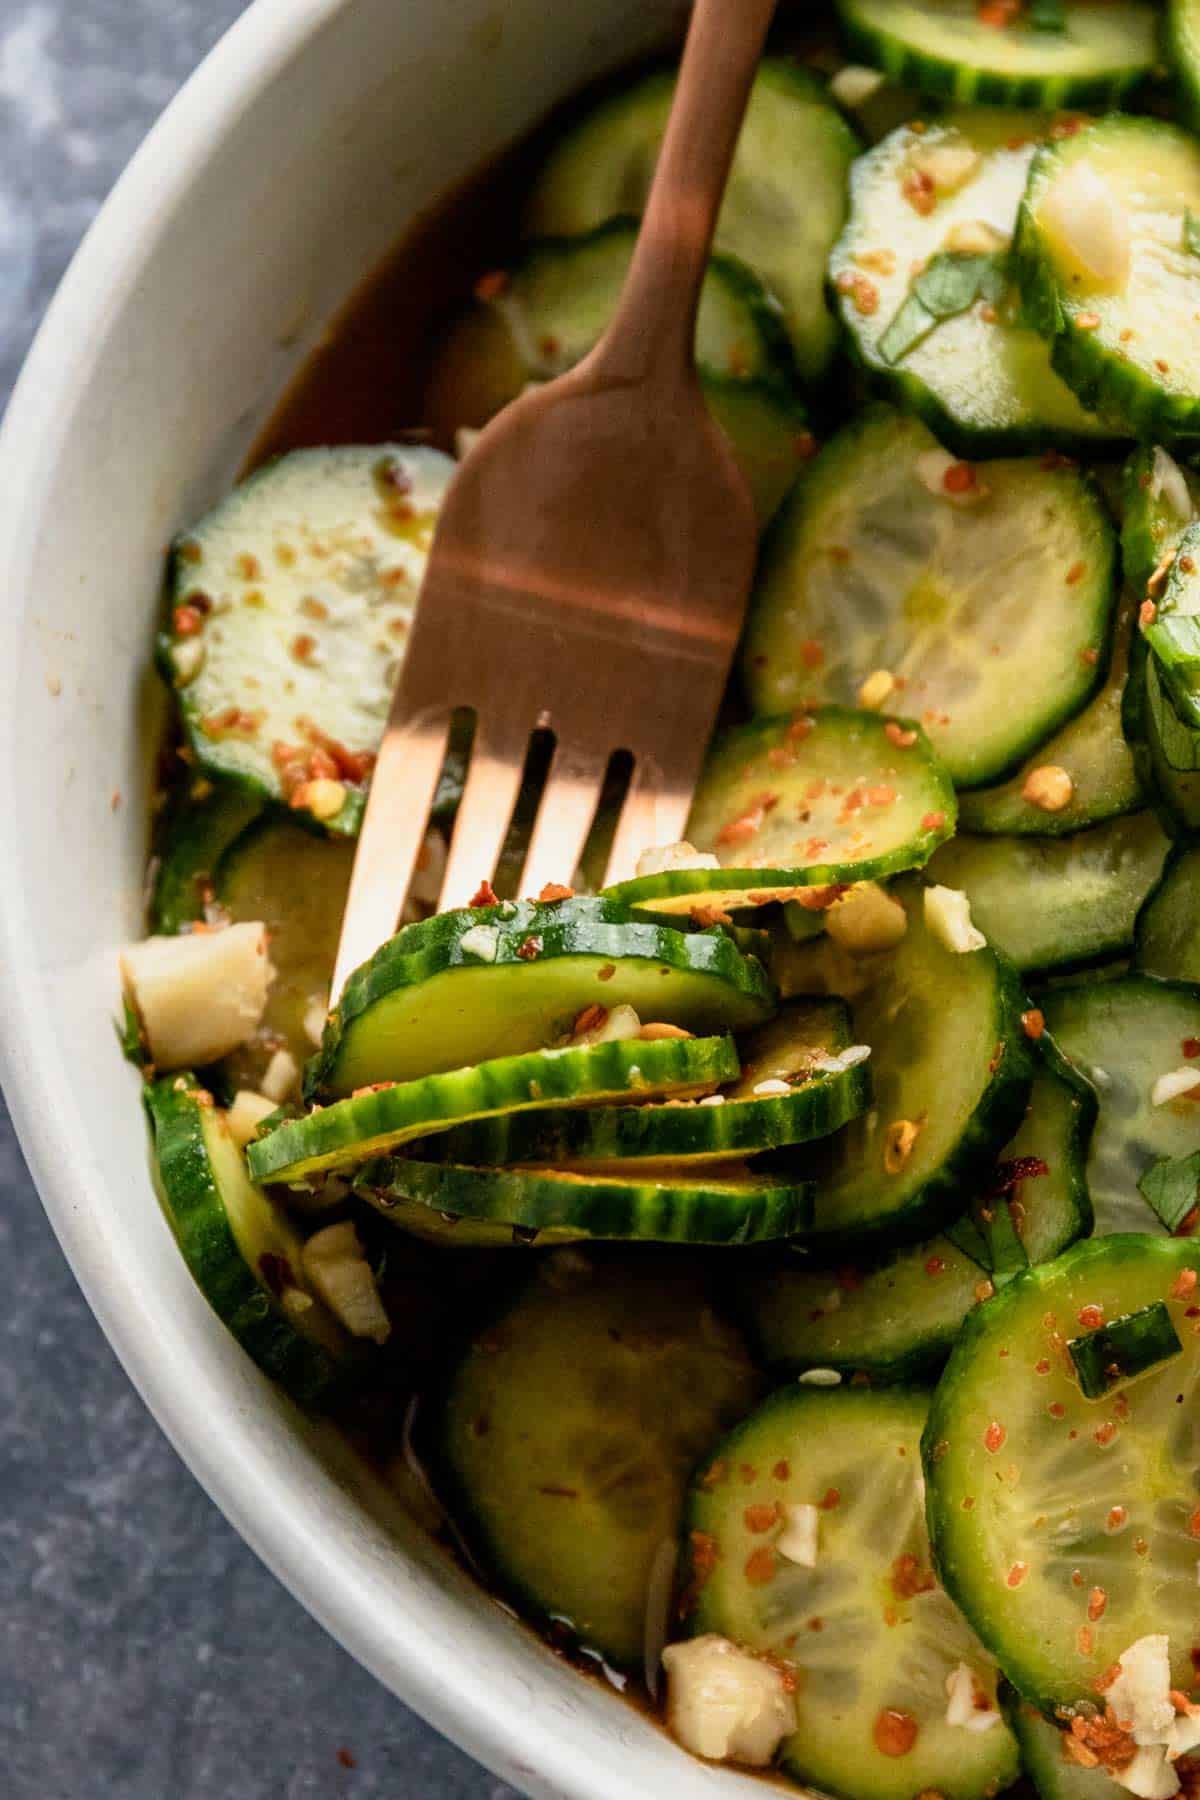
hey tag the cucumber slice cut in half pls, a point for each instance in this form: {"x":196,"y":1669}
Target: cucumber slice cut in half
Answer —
{"x":952,"y":1068}
{"x":1166,"y":939}
{"x":810,"y":799}
{"x":290,"y":606}
{"x":1090,"y":748}
{"x":897,"y":1319}
{"x":867,"y":1633}
{"x":1050,"y":902}
{"x":948,"y":342}
{"x":1098,"y":50}
{"x":1123,"y":1036}
{"x":296,"y":882}
{"x":1182,"y":45}
{"x":485,"y":982}
{"x":542,"y":316}
{"x":1160,"y":503}
{"x":1158,"y":740}
{"x":381,"y":1118}
{"x":1173,"y":634}
{"x":239,"y":1246}
{"x":784,"y":204}
{"x":722,"y":1203}
{"x":1103,"y":263}
{"x":1055,"y":1775}
{"x":1064,"y":1527}
{"x":202,"y":820}
{"x":993,"y":618}
{"x":573,"y":1504}
{"x":801,"y":1049}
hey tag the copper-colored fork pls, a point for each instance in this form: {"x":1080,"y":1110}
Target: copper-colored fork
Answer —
{"x":591,"y":565}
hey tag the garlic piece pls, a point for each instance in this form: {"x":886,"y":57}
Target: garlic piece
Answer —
{"x":724,"y":1704}
{"x":798,"y":1542}
{"x":949,"y":163}
{"x":975,"y":237}
{"x":664,"y":859}
{"x":1174,"y":1086}
{"x":200,"y":995}
{"x":854,"y":85}
{"x":282,"y":1077}
{"x":948,"y":919}
{"x":866,"y":920}
{"x":340,"y":1274}
{"x":1087,"y":228}
{"x":482,"y":942}
{"x":1141,"y":1694}
{"x":246,"y":1115}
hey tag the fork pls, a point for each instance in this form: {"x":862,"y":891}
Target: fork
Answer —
{"x":591,"y":564}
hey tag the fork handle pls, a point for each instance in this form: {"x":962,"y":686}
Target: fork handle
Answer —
{"x":654,"y":329}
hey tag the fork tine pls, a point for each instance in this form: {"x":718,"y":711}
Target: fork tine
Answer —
{"x":651,"y":814}
{"x":486,"y":808}
{"x":564,"y":819}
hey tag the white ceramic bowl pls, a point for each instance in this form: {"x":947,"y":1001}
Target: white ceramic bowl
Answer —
{"x":284,"y":170}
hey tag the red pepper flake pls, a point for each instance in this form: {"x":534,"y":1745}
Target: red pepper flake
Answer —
{"x":530,"y":949}
{"x":1117,"y":1517}
{"x":1147,"y":613}
{"x":994,"y":1436}
{"x":1033,"y":1023}
{"x":1090,"y":657}
{"x":748,"y":1473}
{"x":761,"y":1517}
{"x":811,"y":653}
{"x":935,"y":1265}
{"x":933,"y":821}
{"x":1017,"y":1574}
{"x":1091,"y":1317}
{"x":1187,"y":1224}
{"x":1097,"y":1602}
{"x":1084,"y":1641}
{"x":1103,"y":1682}
{"x":1076,"y":573}
{"x":831,"y":1498}
{"x":1104,"y":1434}
{"x":1010,"y":1175}
{"x":816,"y":1624}
{"x":781,"y":757}
{"x":1057,"y":1410}
{"x":716,"y":1475}
{"x":188,"y":621}
{"x":303,"y":647}
{"x":347,"y":1758}
{"x":491,"y":285}
{"x":902,"y":738}
{"x":553,"y":892}
{"x":1194,"y":1524}
{"x":802,"y":726}
{"x":959,"y":478}
{"x":1087,"y":321}
{"x":760,"y":1566}
{"x":589,"y":1019}
{"x":919,"y":191}
{"x":883,"y":795}
{"x":895,"y":1732}
{"x":705,"y":1555}
{"x":1191,"y":1048}
{"x":804,"y":446}
{"x":968,"y":1504}
{"x":1042,"y":1367}
{"x":909,"y":1578}
{"x":233,"y":722}
{"x":1184,"y":1285}
{"x":1077,"y":1578}
{"x":1163,"y":367}
{"x":782,"y":1470}
{"x":352,"y":765}
{"x":484,"y":895}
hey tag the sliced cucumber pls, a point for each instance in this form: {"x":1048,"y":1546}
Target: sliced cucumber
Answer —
{"x":569,"y":1501}
{"x":452,"y":1231}
{"x":785,"y":201}
{"x":1063,"y":1526}
{"x":296,"y":883}
{"x":993,"y":618}
{"x":1092,"y":750}
{"x":1153,"y":731}
{"x":1053,"y":1773}
{"x":867,"y":1633}
{"x":1050,"y":902}
{"x":238,"y":1245}
{"x":967,"y":363}
{"x":1182,"y":44}
{"x":1126,"y":343}
{"x":949,"y":48}
{"x":811,"y":799}
{"x":1173,"y":634}
{"x":723,"y":1203}
{"x":952,"y":1068}
{"x":1167,"y":934}
{"x":1123,"y":1036}
{"x":495,"y":981}
{"x":201,"y":822}
{"x":290,"y":606}
{"x":798,"y":1048}
{"x":1160,"y":498}
{"x":378,"y":1119}
{"x":898,"y":1319}
{"x":552,"y":307}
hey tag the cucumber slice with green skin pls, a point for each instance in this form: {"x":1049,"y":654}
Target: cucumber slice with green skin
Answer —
{"x":451,"y":1231}
{"x":296,"y":882}
{"x":569,"y":1503}
{"x":1077,"y":1538}
{"x":491,"y":981}
{"x":1093,"y":751}
{"x":868,"y":1633}
{"x":978,"y":375}
{"x":1151,"y":379}
{"x":946,"y":49}
{"x":1051,"y":902}
{"x":381,"y":1118}
{"x":960,"y":1092}
{"x":239,"y":1245}
{"x":200,"y":825}
{"x":290,"y":605}
{"x":1173,"y":635}
{"x":726,"y":1204}
{"x":1160,"y":497}
{"x":996,"y":616}
{"x":1054,"y":1775}
{"x":784,"y":204}
{"x":806,"y":800}
{"x":1182,"y":45}
{"x":1166,"y":939}
{"x":898,"y":1319}
{"x":1150,"y":726}
{"x":552,"y":307}
{"x":1122,"y":1036}
{"x":793,"y":1047}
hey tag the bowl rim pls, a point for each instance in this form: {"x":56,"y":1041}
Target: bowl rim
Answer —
{"x":491,"y":1720}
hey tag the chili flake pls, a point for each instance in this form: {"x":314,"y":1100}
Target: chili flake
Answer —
{"x":895,"y":1732}
{"x":485,"y":895}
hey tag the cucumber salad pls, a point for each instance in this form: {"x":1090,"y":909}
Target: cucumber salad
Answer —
{"x":777,"y":1274}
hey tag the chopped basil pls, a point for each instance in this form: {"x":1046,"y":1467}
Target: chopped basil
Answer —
{"x":1125,"y":1347}
{"x":949,"y":283}
{"x":1008,"y":1254}
{"x":910,"y":327}
{"x":1047,"y":15}
{"x":1191,"y":233}
{"x":1172,"y":1187}
{"x":966,"y":1236}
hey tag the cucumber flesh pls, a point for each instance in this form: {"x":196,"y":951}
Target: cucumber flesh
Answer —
{"x":886,"y":1636}
{"x":945,"y":1099}
{"x":1122,"y":1036}
{"x":995,"y":616}
{"x":1167,"y":935}
{"x":1173,"y":635}
{"x":898,"y":1319}
{"x":568,"y":1503}
{"x":201,"y":822}
{"x":1076,"y":1540}
{"x":1160,"y":498}
{"x":1182,"y":44}
{"x":290,"y":606}
{"x":380,"y":1118}
{"x":1049,"y":902}
{"x":948,"y":49}
{"x":1053,"y":1773}
{"x":978,"y":375}
{"x":239,"y":1246}
{"x":1158,"y":740}
{"x":494,"y":981}
{"x":811,"y":799}
{"x":783,"y":207}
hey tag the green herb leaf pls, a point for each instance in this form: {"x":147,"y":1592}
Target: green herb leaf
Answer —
{"x":1131,"y":1345}
{"x":129,"y":1036}
{"x":950,"y":283}
{"x":1172,"y":1187}
{"x":1009,"y":1255}
{"x":1191,"y":233}
{"x":966,"y":1236}
{"x":1047,"y":15}
{"x":910,"y":327}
